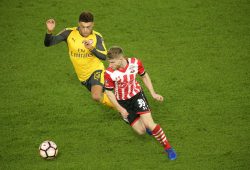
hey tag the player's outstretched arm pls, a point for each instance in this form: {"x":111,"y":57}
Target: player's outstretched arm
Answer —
{"x":120,"y":109}
{"x":148,"y":83}
{"x":50,"y":39}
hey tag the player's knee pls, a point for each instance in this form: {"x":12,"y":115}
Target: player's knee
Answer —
{"x":150,"y":125}
{"x":96,"y":97}
{"x":141,"y":131}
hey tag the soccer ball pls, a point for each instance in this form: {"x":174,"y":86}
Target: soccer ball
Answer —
{"x":48,"y":149}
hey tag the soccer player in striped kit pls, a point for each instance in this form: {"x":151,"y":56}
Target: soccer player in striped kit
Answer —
{"x":128,"y":97}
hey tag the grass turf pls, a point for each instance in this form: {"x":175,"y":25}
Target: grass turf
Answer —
{"x":197,"y":54}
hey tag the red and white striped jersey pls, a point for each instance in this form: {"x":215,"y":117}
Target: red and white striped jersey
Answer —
{"x":123,"y":80}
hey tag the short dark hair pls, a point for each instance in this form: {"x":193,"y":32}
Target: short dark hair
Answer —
{"x":86,"y":17}
{"x":114,"y":52}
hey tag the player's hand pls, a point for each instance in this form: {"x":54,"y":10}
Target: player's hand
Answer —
{"x":51,"y":24}
{"x":88,"y":45}
{"x":124,"y":113}
{"x":158,"y":97}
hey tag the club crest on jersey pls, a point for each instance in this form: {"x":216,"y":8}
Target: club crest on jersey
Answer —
{"x":90,"y":41}
{"x":132,"y":69}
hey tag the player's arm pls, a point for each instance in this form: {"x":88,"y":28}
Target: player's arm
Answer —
{"x":100,"y":50}
{"x":51,"y":39}
{"x":120,"y":109}
{"x":148,"y":83}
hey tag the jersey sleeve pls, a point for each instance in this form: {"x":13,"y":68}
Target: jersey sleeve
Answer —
{"x":50,"y":39}
{"x":141,"y":69}
{"x":100,"y":50}
{"x":109,"y":83}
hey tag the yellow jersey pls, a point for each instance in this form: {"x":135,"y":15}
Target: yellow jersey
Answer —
{"x":85,"y":62}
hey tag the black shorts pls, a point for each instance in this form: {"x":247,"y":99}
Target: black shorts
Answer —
{"x":94,"y":79}
{"x":135,"y":106}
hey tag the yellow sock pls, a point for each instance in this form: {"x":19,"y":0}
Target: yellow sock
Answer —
{"x":105,"y":100}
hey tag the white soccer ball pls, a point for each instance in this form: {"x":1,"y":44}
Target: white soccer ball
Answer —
{"x":48,"y":149}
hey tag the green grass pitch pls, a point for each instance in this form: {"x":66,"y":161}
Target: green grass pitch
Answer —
{"x":196,"y":52}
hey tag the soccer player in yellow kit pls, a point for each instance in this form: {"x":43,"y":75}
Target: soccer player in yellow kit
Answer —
{"x":86,"y":50}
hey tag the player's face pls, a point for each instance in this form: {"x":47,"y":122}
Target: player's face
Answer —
{"x":115,"y":63}
{"x":86,"y":28}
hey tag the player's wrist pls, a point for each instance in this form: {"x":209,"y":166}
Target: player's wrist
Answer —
{"x":152,"y":92}
{"x":49,"y":32}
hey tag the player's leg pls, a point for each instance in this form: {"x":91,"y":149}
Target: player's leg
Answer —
{"x":133,"y":118}
{"x":148,"y":121}
{"x":97,"y":91}
{"x":142,"y":127}
{"x":158,"y":134}
{"x":156,"y":130}
{"x":138,"y":126}
{"x":105,"y":100}
{"x":141,"y":105}
{"x":98,"y":95}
